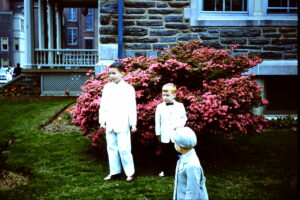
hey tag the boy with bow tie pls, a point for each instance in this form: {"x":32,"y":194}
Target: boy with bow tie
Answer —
{"x":169,"y":115}
{"x":189,"y":177}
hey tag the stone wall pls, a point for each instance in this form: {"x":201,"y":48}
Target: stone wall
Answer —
{"x":156,"y":24}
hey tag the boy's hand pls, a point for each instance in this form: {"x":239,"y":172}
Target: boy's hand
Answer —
{"x":102,"y":126}
{"x":159,"y":138}
{"x":133,"y":129}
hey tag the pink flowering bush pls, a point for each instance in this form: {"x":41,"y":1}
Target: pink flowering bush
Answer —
{"x":217,"y":98}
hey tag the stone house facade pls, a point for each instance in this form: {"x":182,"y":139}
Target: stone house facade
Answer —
{"x":154,"y":25}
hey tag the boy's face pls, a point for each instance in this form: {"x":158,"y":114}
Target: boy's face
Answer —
{"x":115,"y":75}
{"x":168,"y":96}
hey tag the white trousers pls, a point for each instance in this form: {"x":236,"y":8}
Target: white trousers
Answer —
{"x":119,"y":151}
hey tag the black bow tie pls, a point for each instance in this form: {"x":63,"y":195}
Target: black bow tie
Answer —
{"x":171,"y":103}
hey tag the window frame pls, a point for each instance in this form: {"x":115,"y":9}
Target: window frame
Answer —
{"x":223,"y":13}
{"x":91,"y":15}
{"x":72,"y":15}
{"x":266,"y":2}
{"x":17,"y":44}
{"x":3,"y":61}
{"x":255,"y":17}
{"x":76,"y":31}
{"x":22,"y":25}
{"x":2,"y":43}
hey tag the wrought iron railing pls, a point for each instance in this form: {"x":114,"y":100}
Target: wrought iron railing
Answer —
{"x":66,"y":57}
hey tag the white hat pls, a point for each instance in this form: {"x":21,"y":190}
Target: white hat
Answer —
{"x":185,"y":137}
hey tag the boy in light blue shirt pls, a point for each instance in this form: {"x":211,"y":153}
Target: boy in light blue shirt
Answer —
{"x":189,"y":177}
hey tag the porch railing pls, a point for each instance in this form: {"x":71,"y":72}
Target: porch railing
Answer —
{"x":66,"y":57}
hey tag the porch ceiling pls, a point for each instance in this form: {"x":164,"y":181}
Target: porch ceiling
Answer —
{"x":79,"y":3}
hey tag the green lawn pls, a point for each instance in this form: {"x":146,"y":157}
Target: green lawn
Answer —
{"x":64,"y":166}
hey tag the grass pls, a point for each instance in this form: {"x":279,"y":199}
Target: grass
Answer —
{"x":64,"y":166}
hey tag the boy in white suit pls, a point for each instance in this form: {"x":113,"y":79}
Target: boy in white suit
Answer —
{"x":189,"y":177}
{"x":117,"y":114}
{"x":169,"y":115}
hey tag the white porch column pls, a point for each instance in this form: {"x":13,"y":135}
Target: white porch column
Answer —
{"x":41,"y":17}
{"x":29,"y":33}
{"x":50,"y":21}
{"x":58,"y":26}
{"x":258,"y":5}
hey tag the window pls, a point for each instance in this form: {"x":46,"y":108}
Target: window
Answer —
{"x":22,"y":25}
{"x":89,"y":20}
{"x":89,"y":43}
{"x":281,"y":6}
{"x":72,"y":36}
{"x":225,"y":5}
{"x":228,"y":13}
{"x":16,"y":42}
{"x":4,"y":44}
{"x":72,"y":14}
{"x":5,"y":62}
{"x":281,"y":100}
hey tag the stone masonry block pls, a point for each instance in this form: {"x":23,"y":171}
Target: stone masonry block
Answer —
{"x":272,"y":35}
{"x":135,"y":11}
{"x":284,"y":41}
{"x":163,"y":32}
{"x":259,"y":41}
{"x":277,"y":48}
{"x":140,"y":40}
{"x":149,"y":23}
{"x":239,"y":32}
{"x":174,"y":19}
{"x":109,"y":7}
{"x":159,"y":46}
{"x":169,"y":39}
{"x":187,"y":37}
{"x":178,"y":4}
{"x":108,"y":30}
{"x":164,"y":11}
{"x":208,"y":36}
{"x":107,"y":40}
{"x":133,"y":31}
{"x":133,"y":17}
{"x":269,"y":30}
{"x":137,"y":46}
{"x":104,"y":19}
{"x":287,"y":30}
{"x":177,"y":26}
{"x":139,"y":4}
{"x":161,"y":5}
{"x":233,"y":41}
{"x":266,"y":54}
{"x":125,"y":23}
{"x":155,"y":17}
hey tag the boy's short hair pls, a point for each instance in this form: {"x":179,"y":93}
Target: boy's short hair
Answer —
{"x":185,"y":137}
{"x":169,"y":87}
{"x":118,"y":65}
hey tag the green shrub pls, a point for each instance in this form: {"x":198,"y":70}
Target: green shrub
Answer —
{"x":283,"y":122}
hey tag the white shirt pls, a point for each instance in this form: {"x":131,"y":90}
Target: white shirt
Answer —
{"x":118,"y":107}
{"x":167,"y":118}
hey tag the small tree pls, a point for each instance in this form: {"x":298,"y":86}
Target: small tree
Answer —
{"x":217,"y":97}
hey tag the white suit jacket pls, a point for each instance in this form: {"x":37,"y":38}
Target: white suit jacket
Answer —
{"x":167,"y":118}
{"x":189,"y":178}
{"x":118,"y":107}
